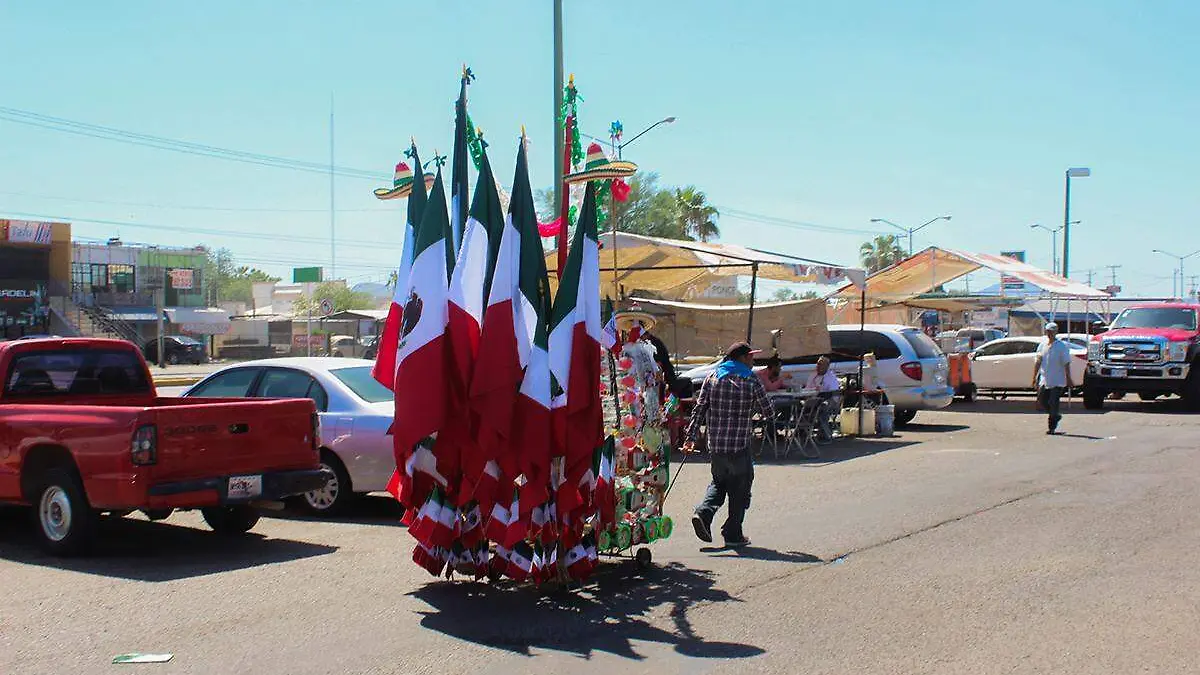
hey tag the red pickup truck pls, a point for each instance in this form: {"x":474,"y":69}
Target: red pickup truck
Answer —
{"x":1152,"y":350}
{"x":83,"y":432}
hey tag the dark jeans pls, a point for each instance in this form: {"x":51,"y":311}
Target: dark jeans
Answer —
{"x":1051,"y":398}
{"x":732,"y":475}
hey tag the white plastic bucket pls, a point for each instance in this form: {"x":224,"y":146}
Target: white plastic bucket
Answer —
{"x":885,"y":420}
{"x":850,"y":422}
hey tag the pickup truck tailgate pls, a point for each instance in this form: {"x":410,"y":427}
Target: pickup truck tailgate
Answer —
{"x":203,"y":438}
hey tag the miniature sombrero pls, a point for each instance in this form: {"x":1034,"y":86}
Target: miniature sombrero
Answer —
{"x":633,"y":316}
{"x":402,"y":184}
{"x":429,"y":178}
{"x":597,"y":166}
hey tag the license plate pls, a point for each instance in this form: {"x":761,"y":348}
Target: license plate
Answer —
{"x":244,"y":487}
{"x":1119,"y":372}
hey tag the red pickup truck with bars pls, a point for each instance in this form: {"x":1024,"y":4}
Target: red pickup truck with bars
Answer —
{"x":83,"y":432}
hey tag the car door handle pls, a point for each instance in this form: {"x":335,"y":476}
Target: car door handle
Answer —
{"x":239,"y":428}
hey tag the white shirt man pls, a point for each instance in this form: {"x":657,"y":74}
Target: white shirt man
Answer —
{"x":1053,"y":372}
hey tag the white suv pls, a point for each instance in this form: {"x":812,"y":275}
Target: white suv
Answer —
{"x":911,"y":368}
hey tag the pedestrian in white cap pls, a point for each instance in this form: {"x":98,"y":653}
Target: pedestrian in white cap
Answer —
{"x":1052,"y":375}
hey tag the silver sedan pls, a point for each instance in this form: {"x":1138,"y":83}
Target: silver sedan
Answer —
{"x":355,"y":410}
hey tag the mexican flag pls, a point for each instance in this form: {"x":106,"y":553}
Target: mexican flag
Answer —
{"x":420,"y":384}
{"x":384,"y":369}
{"x":458,"y":170}
{"x":575,"y":336}
{"x":470,"y":278}
{"x":505,"y":340}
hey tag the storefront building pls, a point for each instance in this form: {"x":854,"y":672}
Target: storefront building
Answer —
{"x":35,"y":260}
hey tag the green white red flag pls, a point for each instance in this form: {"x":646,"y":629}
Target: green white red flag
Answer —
{"x":574,"y":349}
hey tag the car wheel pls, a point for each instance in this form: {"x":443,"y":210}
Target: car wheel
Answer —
{"x":333,"y":498}
{"x":969,"y":392}
{"x":1191,"y":392}
{"x":230,"y":519}
{"x":172,"y":359}
{"x":904,"y":418}
{"x":63,"y":520}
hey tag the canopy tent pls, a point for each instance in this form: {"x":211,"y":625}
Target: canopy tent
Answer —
{"x":935,"y":267}
{"x":708,"y":330}
{"x":684,"y":269}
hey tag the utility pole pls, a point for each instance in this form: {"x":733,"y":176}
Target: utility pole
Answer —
{"x":1113,"y":269}
{"x":1091,"y":274}
{"x":558,"y":102}
{"x":332,"y":225}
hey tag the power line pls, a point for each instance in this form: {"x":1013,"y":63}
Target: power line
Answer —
{"x":60,"y":124}
{"x":357,"y":243}
{"x":739,"y":214}
{"x":183,"y":207}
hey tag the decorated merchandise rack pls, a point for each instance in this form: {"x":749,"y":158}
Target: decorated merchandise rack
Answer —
{"x":505,"y":466}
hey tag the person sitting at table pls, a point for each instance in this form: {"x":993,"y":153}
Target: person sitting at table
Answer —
{"x":826,"y":384}
{"x":772,"y":377}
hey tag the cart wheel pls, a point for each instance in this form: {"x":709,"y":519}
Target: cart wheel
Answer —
{"x":644,"y":558}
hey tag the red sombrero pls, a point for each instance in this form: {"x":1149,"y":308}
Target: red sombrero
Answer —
{"x":597,"y":166}
{"x":402,"y":184}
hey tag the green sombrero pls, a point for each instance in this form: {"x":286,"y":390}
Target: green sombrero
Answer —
{"x":597,"y":166}
{"x":402,"y":184}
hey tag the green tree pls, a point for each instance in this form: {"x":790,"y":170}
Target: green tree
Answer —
{"x":880,"y":253}
{"x":649,"y":210}
{"x":338,"y":293}
{"x":229,"y":282}
{"x":697,"y":218}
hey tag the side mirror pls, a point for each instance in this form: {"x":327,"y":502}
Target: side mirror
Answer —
{"x":973,"y":355}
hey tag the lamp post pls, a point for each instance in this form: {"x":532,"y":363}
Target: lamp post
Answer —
{"x":1075,"y":172}
{"x":643,"y":132}
{"x":1180,"y":258}
{"x":1053,"y":242}
{"x":910,"y":230}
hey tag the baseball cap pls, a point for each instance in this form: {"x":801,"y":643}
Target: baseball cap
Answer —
{"x":1052,"y":327}
{"x":739,"y":349}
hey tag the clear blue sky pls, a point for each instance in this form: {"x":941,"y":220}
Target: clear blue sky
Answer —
{"x":819,"y":112}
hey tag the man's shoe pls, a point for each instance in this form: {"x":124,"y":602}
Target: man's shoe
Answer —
{"x":703,"y":530}
{"x":739,"y":542}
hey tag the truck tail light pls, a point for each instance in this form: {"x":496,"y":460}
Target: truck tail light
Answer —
{"x":913,"y":370}
{"x":144,"y":450}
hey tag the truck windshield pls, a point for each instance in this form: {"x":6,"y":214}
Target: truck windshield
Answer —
{"x":1157,"y":317}
{"x":77,"y":372}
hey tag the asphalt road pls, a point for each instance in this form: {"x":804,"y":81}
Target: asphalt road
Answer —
{"x":971,"y":544}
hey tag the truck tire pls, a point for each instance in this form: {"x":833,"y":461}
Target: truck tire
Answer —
{"x":1148,"y":396}
{"x":1191,"y":391}
{"x":337,"y":493}
{"x":230,"y":519}
{"x":63,"y":520}
{"x":1093,"y":399}
{"x":904,"y":418}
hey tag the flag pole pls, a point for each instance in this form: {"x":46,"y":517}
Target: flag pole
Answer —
{"x":565,"y":204}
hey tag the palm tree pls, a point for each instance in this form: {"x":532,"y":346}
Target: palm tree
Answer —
{"x":697,"y":218}
{"x":880,"y":253}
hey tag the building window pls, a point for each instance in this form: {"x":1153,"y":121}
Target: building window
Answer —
{"x":121,"y":278}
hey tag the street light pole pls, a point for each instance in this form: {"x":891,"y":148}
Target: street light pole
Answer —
{"x":910,"y":230}
{"x":558,"y":101}
{"x":1076,"y":172}
{"x":1180,"y":258}
{"x":1053,"y":242}
{"x":643,"y":132}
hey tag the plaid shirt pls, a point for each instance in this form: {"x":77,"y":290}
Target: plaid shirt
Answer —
{"x":725,"y":407}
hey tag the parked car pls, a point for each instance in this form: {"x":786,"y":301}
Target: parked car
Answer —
{"x":911,"y":367}
{"x":970,"y":339}
{"x":350,"y":347}
{"x":1152,"y":350}
{"x":371,"y":343}
{"x":82,"y":432}
{"x":356,"y":413}
{"x":1007,"y":365}
{"x":178,"y":349}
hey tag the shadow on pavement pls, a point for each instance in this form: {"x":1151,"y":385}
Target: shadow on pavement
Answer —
{"x":760,"y":553}
{"x":608,"y":614}
{"x":1027,"y":407}
{"x":841,"y":450}
{"x":365,"y":510}
{"x":140,"y":550}
{"x":932,"y":428}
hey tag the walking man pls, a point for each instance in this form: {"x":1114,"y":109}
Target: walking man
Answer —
{"x":1053,"y":373}
{"x":728,"y":400}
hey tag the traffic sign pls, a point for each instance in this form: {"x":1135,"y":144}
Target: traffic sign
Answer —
{"x":326,"y":307}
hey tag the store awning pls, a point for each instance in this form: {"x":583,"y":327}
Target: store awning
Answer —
{"x":685,"y":269}
{"x":707,"y":330}
{"x":199,"y":321}
{"x":133,"y":313}
{"x":934,"y":267}
{"x":359,"y":315}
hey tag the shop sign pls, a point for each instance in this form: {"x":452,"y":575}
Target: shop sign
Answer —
{"x":181,"y":279}
{"x":27,"y":232}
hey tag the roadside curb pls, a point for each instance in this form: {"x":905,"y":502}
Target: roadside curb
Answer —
{"x":180,"y":381}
